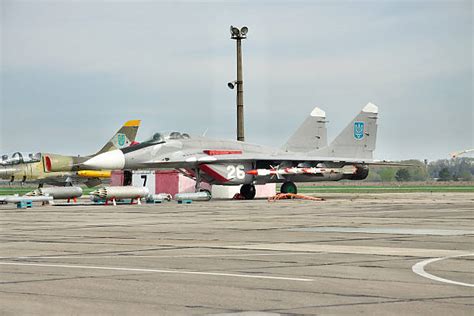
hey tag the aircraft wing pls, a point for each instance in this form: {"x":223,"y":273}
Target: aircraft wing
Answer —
{"x":182,"y":160}
{"x":235,"y":168}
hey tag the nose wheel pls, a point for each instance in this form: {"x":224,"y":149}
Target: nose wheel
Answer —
{"x":288,"y":187}
{"x":248,"y":191}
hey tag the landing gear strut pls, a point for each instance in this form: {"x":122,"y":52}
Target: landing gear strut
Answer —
{"x":288,"y":187}
{"x":248,"y":191}
{"x":197,"y":187}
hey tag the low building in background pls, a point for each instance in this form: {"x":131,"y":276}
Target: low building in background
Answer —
{"x":172,"y":182}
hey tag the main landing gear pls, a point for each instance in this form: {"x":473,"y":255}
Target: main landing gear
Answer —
{"x":248,"y":191}
{"x":288,"y":187}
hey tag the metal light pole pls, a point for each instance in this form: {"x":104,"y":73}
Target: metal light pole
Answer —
{"x":238,"y":35}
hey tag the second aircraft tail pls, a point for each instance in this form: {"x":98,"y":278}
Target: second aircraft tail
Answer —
{"x":358,"y":139}
{"x":124,"y":137}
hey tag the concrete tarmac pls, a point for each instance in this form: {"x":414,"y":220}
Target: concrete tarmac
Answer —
{"x":381,"y":254}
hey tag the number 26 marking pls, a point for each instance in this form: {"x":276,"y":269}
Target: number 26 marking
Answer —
{"x":235,"y":172}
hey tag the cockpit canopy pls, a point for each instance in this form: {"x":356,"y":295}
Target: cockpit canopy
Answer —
{"x":164,"y":136}
{"x":157,"y":138}
{"x":18,"y":158}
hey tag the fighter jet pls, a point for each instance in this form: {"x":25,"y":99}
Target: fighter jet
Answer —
{"x":54,"y":169}
{"x":305,"y":157}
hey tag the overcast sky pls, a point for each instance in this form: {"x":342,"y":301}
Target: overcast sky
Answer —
{"x":72,"y":72}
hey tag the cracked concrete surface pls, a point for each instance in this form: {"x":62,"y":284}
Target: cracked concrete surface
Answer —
{"x":355,"y":252}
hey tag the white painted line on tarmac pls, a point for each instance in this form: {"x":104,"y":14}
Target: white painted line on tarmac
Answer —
{"x":419,"y":268}
{"x":155,"y":271}
{"x":122,"y":256}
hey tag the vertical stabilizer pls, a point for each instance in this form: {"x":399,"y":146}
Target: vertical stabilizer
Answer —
{"x":311,"y":135}
{"x":357,"y":140}
{"x":124,"y":137}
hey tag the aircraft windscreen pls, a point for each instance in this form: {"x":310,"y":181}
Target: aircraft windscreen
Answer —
{"x":155,"y":139}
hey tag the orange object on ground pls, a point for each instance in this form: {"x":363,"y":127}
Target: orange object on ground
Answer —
{"x":292,"y":196}
{"x":238,"y":196}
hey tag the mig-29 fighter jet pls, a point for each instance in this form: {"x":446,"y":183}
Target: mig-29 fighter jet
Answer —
{"x":306,"y":157}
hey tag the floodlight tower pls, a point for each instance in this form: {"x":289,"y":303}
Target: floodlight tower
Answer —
{"x":239,"y":35}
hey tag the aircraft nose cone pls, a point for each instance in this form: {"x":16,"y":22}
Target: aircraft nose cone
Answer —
{"x":110,"y":160}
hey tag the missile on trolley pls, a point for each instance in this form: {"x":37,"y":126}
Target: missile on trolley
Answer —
{"x":57,"y":192}
{"x":125,"y":192}
{"x":3,"y":198}
{"x":159,"y":197}
{"x":193,"y":196}
{"x":17,"y":199}
{"x":118,"y":193}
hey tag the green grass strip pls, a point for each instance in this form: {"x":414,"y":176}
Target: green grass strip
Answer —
{"x":384,"y":189}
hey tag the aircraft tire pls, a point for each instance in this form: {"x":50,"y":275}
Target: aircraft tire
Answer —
{"x":248,"y":191}
{"x":289,"y":187}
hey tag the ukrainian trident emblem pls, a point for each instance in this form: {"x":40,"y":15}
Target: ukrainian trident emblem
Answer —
{"x":358,"y":130}
{"x":121,"y":138}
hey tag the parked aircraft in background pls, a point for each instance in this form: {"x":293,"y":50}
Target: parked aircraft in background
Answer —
{"x":304,"y":158}
{"x":54,"y":169}
{"x":460,"y":153}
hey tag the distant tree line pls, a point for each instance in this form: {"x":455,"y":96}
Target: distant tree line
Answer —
{"x":458,"y":169}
